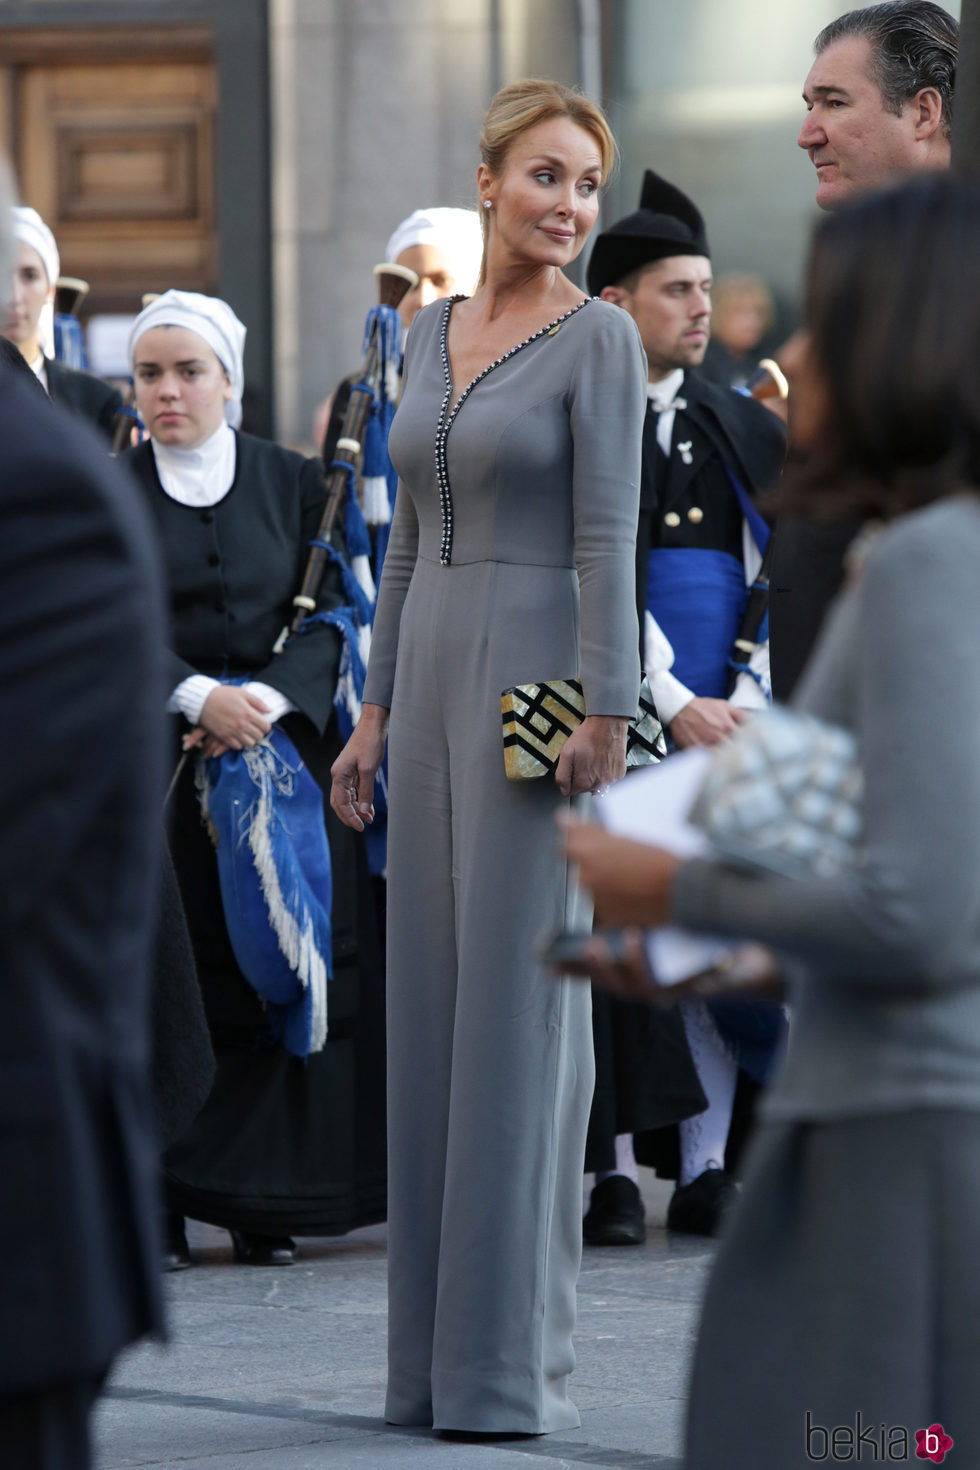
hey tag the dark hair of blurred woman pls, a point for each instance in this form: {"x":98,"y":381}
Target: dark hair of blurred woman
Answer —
{"x":890,"y":413}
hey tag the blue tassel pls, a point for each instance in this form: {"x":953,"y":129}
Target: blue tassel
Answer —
{"x":347,"y":702}
{"x":353,"y":590}
{"x":741,"y":668}
{"x":355,"y":531}
{"x":69,"y":341}
{"x":351,"y":663}
{"x":389,"y":339}
{"x":377,"y":463}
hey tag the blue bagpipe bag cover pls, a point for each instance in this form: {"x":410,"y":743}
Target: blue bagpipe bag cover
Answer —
{"x":265,"y":814}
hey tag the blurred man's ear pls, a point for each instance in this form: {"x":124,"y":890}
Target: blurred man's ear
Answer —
{"x":928,"y":112}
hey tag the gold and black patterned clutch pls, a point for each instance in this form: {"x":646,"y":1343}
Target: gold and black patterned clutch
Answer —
{"x":538,"y":719}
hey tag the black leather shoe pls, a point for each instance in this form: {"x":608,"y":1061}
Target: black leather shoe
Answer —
{"x":176,"y":1255}
{"x":262,"y":1250}
{"x":700,"y":1207}
{"x":616,"y":1214}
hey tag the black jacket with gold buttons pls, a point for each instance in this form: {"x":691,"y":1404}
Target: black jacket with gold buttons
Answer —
{"x":686,"y":498}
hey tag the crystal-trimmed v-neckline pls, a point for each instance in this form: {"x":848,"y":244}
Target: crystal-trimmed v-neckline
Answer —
{"x":549,"y":327}
{"x":447,"y":414}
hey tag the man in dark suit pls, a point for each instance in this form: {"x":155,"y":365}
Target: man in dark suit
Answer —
{"x":707,"y":450}
{"x":81,"y":700}
{"x":879,"y":104}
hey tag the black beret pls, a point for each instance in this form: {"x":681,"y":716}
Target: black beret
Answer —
{"x":666,"y":223}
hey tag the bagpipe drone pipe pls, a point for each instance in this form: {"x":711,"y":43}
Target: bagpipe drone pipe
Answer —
{"x":357,"y":435}
{"x":69,"y":340}
{"x":766,"y":382}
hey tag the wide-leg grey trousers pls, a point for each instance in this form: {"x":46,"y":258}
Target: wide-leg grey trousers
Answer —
{"x":490,"y":1059}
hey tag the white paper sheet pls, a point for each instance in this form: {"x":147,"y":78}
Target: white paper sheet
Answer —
{"x":652,"y":806}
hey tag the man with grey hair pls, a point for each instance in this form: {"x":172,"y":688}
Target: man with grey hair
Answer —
{"x":879,"y":97}
{"x":879,"y":100}
{"x":81,"y":701}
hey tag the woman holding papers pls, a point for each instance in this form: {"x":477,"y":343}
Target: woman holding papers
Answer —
{"x":844,"y":1305}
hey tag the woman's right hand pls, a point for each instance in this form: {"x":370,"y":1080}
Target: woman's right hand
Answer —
{"x":230,"y":719}
{"x":352,"y":773}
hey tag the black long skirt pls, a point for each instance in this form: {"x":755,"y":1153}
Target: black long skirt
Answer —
{"x":645,"y":1079}
{"x":283,"y":1144}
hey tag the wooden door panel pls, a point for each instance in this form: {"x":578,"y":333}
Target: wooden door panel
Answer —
{"x":118,"y":159}
{"x":107,"y":172}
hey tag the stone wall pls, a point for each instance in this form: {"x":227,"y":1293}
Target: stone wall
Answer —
{"x":377,"y":106}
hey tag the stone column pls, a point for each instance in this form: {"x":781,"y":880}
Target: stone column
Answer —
{"x":377,"y":106}
{"x":376,"y":111}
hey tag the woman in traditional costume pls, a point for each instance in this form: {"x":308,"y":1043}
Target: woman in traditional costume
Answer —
{"x":285,"y":1144}
{"x":37,"y":267}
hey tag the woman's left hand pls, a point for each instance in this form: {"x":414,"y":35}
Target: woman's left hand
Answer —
{"x":631,"y":882}
{"x":594,"y":755}
{"x":208,"y":745}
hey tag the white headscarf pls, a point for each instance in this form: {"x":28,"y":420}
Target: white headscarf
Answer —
{"x":28,"y":226}
{"x":212,"y":319}
{"x":456,"y":232}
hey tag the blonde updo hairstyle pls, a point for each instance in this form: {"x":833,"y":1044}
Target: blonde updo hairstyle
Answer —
{"x":523,"y":105}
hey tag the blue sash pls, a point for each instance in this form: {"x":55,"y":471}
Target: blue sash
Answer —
{"x":698,"y":599}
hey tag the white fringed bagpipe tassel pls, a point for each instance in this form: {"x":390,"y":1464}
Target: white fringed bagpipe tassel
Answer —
{"x":374,"y":498}
{"x":294,"y":931}
{"x":360,"y":565}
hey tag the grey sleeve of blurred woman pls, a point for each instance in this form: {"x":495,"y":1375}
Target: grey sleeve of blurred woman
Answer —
{"x":901,"y":658}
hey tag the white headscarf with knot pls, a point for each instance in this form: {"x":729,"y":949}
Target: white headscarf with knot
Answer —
{"x":456,"y":232}
{"x":212,"y":319}
{"x":28,"y":226}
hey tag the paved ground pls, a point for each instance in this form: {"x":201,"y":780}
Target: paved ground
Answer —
{"x":283,"y":1369}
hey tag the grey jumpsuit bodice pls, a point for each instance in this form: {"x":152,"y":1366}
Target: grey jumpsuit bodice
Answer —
{"x":511,"y":559}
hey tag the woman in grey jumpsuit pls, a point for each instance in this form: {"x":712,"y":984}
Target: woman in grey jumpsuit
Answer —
{"x":510,"y":560}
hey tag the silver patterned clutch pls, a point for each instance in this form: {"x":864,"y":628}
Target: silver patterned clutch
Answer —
{"x":538,"y":719}
{"x":784,"y":794}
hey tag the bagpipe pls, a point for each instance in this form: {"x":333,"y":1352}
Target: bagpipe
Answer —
{"x":127,"y":419}
{"x":263,"y":808}
{"x":69,"y":339}
{"x":69,"y":348}
{"x":766,"y":382}
{"x":367,"y":497}
{"x":369,"y":406}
